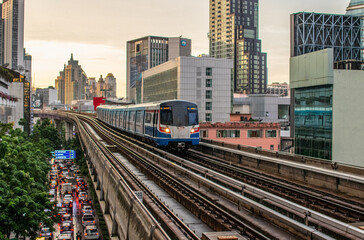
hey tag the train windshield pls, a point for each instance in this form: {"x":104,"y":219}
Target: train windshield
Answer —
{"x":166,"y":116}
{"x":192,"y":116}
{"x":179,"y":116}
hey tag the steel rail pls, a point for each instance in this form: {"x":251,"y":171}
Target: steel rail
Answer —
{"x":339,"y":209}
{"x":186,"y":188}
{"x":176,"y":221}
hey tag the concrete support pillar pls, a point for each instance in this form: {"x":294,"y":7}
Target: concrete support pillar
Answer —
{"x":98,"y":184}
{"x":107,"y":206}
{"x":102,"y":195}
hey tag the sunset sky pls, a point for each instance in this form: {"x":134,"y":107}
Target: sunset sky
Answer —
{"x":96,"y":32}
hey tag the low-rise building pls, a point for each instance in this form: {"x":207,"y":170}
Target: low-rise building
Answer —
{"x":48,"y":96}
{"x":202,"y":80}
{"x":254,"y":134}
{"x":328,"y":109}
{"x":281,"y":89}
{"x":262,"y":107}
{"x":7,"y":102}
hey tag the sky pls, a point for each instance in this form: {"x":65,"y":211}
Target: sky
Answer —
{"x":96,"y":32}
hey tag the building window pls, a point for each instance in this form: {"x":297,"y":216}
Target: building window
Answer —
{"x":228,"y":133}
{"x":204,"y":133}
{"x":208,"y":82}
{"x":208,"y":106}
{"x":208,"y":71}
{"x":198,"y":83}
{"x":271,"y":147}
{"x":255,"y":133}
{"x":208,"y":94}
{"x":208,"y":117}
{"x":271,"y":133}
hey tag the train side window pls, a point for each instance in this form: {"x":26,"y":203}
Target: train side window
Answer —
{"x":148,"y":117}
{"x":125,"y":118}
{"x":156,"y":117}
{"x":120,"y":119}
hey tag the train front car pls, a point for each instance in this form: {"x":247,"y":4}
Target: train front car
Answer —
{"x":178,"y":125}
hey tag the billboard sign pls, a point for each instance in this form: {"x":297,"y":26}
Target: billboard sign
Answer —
{"x":64,"y":154}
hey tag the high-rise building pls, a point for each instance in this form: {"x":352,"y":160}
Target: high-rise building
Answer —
{"x":71,"y":84}
{"x":13,"y":15}
{"x":328,"y":108}
{"x":148,"y":52}
{"x":312,"y":32}
{"x":356,"y":8}
{"x":234,"y":33}
{"x":311,"y":103}
{"x":59,"y":84}
{"x":1,"y":36}
{"x":110,"y":82}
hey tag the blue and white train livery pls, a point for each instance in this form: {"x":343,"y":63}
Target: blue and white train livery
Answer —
{"x":171,"y":123}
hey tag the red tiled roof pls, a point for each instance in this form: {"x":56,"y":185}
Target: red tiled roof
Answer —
{"x":239,"y":125}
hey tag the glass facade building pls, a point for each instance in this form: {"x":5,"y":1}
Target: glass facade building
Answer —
{"x":149,"y":52}
{"x":313,"y":121}
{"x":234,"y":33}
{"x":161,"y":86}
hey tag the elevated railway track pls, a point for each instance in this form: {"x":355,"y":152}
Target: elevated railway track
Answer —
{"x":226,"y":196}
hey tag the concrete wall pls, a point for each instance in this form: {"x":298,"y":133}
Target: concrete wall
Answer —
{"x":312,"y":69}
{"x":193,"y":85}
{"x":348,"y":117}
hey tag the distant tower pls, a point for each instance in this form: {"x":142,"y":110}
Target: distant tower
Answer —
{"x":13,"y":15}
{"x":356,"y":8}
{"x":110,"y":82}
{"x":234,"y":33}
{"x":71,"y":83}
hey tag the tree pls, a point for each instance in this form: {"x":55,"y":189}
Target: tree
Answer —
{"x":5,"y":128}
{"x":24,"y":183}
{"x":46,"y":130}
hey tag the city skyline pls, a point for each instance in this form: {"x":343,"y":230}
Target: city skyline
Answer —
{"x":97,"y":35}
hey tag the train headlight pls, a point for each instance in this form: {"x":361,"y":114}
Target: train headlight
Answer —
{"x":195,"y":130}
{"x":165,"y":129}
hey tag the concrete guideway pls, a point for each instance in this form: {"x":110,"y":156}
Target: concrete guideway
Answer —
{"x":333,"y":180}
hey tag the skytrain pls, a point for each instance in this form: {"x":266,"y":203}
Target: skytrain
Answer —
{"x":172,"y":123}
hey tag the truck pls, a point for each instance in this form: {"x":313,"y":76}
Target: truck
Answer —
{"x":66,"y":188}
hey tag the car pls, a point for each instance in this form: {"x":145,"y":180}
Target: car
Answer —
{"x":91,"y":232}
{"x":66,"y":217}
{"x":66,"y":226}
{"x":52,"y":196}
{"x":69,"y":197}
{"x":53,"y":184}
{"x":88,"y":219}
{"x":46,"y":233}
{"x":87,"y":209}
{"x":82,"y":195}
{"x":62,"y":211}
{"x":65,"y":236}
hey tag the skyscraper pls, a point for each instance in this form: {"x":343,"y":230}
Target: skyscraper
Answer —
{"x":13,"y":15}
{"x":148,"y":52}
{"x":71,"y":84}
{"x":356,"y":8}
{"x":234,"y":33}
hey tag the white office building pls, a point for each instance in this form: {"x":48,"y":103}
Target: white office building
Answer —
{"x":204,"y":81}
